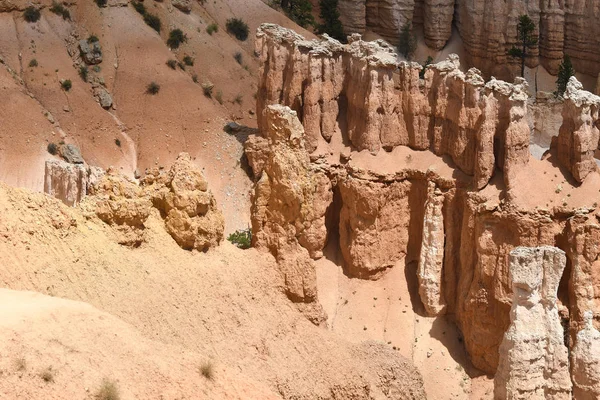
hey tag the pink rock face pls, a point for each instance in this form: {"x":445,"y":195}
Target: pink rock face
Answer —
{"x":361,"y":94}
{"x":578,"y":135}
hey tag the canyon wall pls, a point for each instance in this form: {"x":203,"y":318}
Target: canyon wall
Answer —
{"x":356,"y":151}
{"x":489,"y":29}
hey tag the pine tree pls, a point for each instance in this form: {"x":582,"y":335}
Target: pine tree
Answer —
{"x":565,"y":71}
{"x":300,"y":11}
{"x":331,"y":20}
{"x":408,"y":42}
{"x":427,"y":62}
{"x":525,"y":38}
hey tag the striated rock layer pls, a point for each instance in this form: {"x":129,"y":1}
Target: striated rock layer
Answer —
{"x":586,"y":361}
{"x":533,"y":358}
{"x":69,"y":182}
{"x":432,"y":175}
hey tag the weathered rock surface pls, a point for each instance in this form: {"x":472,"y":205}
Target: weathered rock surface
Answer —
{"x":91,"y":52}
{"x":533,"y":358}
{"x":578,"y":136}
{"x":69,"y":182}
{"x":70,"y":153}
{"x":182,"y":5}
{"x":585,"y":359}
{"x":431,"y":258}
{"x":103,"y":97}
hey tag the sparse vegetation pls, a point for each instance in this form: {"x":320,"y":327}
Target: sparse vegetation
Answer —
{"x":172,"y":63}
{"x":152,"y":21}
{"x":176,"y":38}
{"x":207,"y":88}
{"x":181,"y":65}
{"x":61,"y":10}
{"x":427,"y":62}
{"x":66,"y":85}
{"x":187,"y":60}
{"x":238,"y":57}
{"x":83,"y":72}
{"x":47,"y":375}
{"x":238,"y":99}
{"x":195,"y":78}
{"x":525,"y":39}
{"x":242,"y":238}
{"x":219,"y":97}
{"x":101,"y":3}
{"x":118,"y":142}
{"x":31,"y":14}
{"x":92,"y":39}
{"x":212,"y":28}
{"x":407,"y":45}
{"x":108,"y":391}
{"x":152,"y":88}
{"x":52,"y":148}
{"x":331,"y":20}
{"x":33,"y":63}
{"x":238,"y":28}
{"x":565,"y":72}
{"x":299,"y":11}
{"x":207,"y":370}
{"x":96,"y":68}
{"x":139,"y":7}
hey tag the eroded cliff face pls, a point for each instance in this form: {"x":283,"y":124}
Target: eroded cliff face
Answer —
{"x":390,"y":169}
{"x":489,"y":29}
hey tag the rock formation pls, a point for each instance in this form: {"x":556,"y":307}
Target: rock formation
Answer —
{"x":579,"y":134}
{"x":533,"y":358}
{"x":585,"y":359}
{"x":431,"y":258}
{"x":183,"y":5}
{"x":91,"y":52}
{"x":69,"y":182}
{"x":488,"y":29}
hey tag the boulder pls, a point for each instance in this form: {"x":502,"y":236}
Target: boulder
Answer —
{"x":91,"y":52}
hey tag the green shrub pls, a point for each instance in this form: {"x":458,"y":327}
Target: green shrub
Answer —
{"x":172,"y":63}
{"x":118,"y":142}
{"x":66,"y":85}
{"x":238,"y":57}
{"x":52,"y":148}
{"x":101,"y":3}
{"x":83,"y":73}
{"x":237,"y":28}
{"x":92,"y":39}
{"x":152,"y":21}
{"x":96,"y":68}
{"x":427,"y":62}
{"x":212,"y":28}
{"x":176,"y":38}
{"x":31,"y":14}
{"x":139,"y":7}
{"x":152,"y":88}
{"x":33,"y":63}
{"x":59,"y":9}
{"x":187,"y":60}
{"x":242,"y":238}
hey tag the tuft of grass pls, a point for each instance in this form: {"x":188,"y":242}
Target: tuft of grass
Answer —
{"x":108,"y":391}
{"x":219,"y":97}
{"x":212,"y":28}
{"x":207,"y":88}
{"x":52,"y":148}
{"x":92,"y":39}
{"x":33,"y":63}
{"x":207,"y":370}
{"x":47,"y":375}
{"x":187,"y":60}
{"x":61,"y":10}
{"x":101,"y":3}
{"x":172,"y":63}
{"x":118,"y":142}
{"x":242,"y":238}
{"x":238,"y":57}
{"x":83,"y":72}
{"x":238,"y":99}
{"x":66,"y":85}
{"x":152,"y":88}
{"x":31,"y":14}
{"x":238,"y":28}
{"x":176,"y":38}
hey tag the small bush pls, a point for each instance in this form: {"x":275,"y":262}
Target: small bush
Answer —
{"x":238,"y":99}
{"x":59,"y":9}
{"x":47,"y":375}
{"x":187,"y":60}
{"x":118,"y":142}
{"x":181,"y":65}
{"x":219,"y":97}
{"x":101,"y":3}
{"x":152,"y":88}
{"x":33,"y":63}
{"x":31,"y":14}
{"x":176,"y":38}
{"x":66,"y":85}
{"x":207,"y":370}
{"x":238,"y":57}
{"x":172,"y":63}
{"x":152,"y":21}
{"x":96,"y":68}
{"x":237,"y":28}
{"x":92,"y":39}
{"x":195,"y":78}
{"x":207,"y":88}
{"x":52,"y":148}
{"x":212,"y":28}
{"x":139,"y":7}
{"x":83,"y":73}
{"x":108,"y":391}
{"x":242,"y":238}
